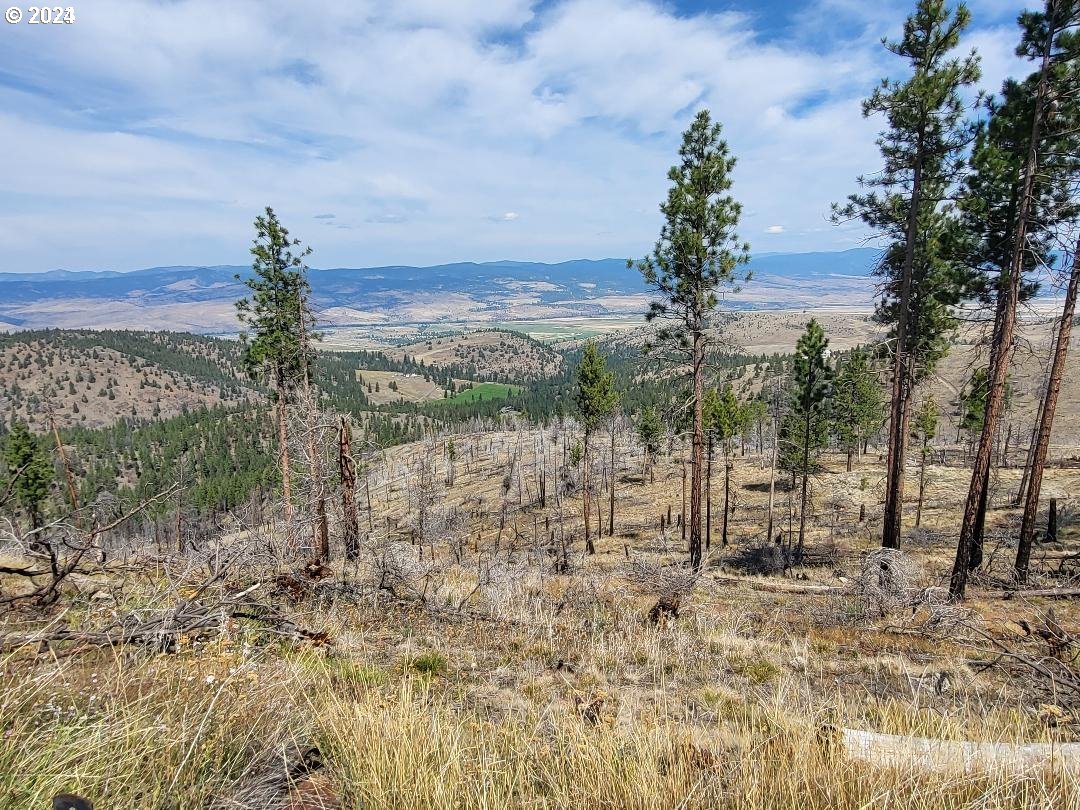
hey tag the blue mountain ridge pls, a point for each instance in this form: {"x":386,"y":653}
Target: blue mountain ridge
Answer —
{"x":579,"y":278}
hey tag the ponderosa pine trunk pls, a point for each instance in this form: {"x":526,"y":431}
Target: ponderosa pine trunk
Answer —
{"x":975,"y":556}
{"x":901,"y":384}
{"x":283,"y":452}
{"x":589,"y":547}
{"x":698,"y":448}
{"x":1002,"y":349}
{"x":1046,"y":422}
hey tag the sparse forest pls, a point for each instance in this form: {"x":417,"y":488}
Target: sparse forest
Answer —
{"x":655,"y":568}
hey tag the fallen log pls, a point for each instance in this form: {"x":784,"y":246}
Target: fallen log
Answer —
{"x":768,"y":586}
{"x":1045,"y":593}
{"x":921,"y":753}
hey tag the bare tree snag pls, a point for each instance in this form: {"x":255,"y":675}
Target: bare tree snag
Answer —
{"x":283,"y":455}
{"x":708,"y":493}
{"x":347,"y":475}
{"x":611,"y":503}
{"x":68,"y":476}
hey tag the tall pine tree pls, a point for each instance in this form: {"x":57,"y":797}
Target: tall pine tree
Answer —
{"x":1019,"y":193}
{"x":696,"y":258}
{"x":596,"y":400}
{"x":812,"y":383}
{"x":276,"y":314}
{"x":923,"y":150}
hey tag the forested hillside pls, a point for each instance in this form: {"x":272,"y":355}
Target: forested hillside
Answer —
{"x":91,"y":379}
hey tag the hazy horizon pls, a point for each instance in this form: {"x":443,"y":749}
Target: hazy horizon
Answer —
{"x":315,"y":267}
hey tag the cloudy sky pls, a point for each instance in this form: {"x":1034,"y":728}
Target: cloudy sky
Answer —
{"x":150,"y":132}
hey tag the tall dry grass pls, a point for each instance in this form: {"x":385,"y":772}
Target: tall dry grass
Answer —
{"x":185,"y":732}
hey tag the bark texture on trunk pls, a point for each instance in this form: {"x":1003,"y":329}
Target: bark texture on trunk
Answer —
{"x":283,"y":456}
{"x":347,"y":474}
{"x":1046,"y":422}
{"x":1002,"y":349}
{"x":698,"y":450}
{"x":708,"y":493}
{"x":611,"y":502}
{"x":901,"y":383}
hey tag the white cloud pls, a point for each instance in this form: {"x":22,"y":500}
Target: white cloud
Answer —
{"x":775,"y":229}
{"x":161,"y":129}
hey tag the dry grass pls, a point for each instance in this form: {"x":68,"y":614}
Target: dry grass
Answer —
{"x":410,"y":387}
{"x":501,"y":683}
{"x":688,"y":720}
{"x":75,"y":382}
{"x":506,"y":354}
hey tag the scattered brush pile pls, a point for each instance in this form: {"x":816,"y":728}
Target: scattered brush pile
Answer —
{"x":669,"y":585}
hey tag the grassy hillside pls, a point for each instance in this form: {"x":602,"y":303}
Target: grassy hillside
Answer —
{"x":484,"y":355}
{"x":92,"y":379}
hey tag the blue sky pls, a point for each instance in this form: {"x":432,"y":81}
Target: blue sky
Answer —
{"x":151,"y":132}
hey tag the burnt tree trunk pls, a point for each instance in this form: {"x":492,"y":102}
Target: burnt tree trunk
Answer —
{"x":611,"y":502}
{"x":772,"y":481}
{"x":1051,"y":522}
{"x":1002,"y":348}
{"x":708,"y":493}
{"x":589,"y":547}
{"x":698,"y":447}
{"x":727,"y":499}
{"x":901,"y":382}
{"x":1046,"y":423}
{"x":350,"y":527}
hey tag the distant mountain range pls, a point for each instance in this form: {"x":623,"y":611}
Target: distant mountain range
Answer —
{"x":200,"y":299}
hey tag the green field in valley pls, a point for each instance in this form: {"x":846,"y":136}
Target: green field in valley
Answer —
{"x":482,"y":391}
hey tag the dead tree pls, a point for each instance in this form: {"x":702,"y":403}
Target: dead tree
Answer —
{"x":69,"y":477}
{"x":611,"y":502}
{"x":347,"y":475}
{"x":708,"y":490}
{"x":318,"y":494}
